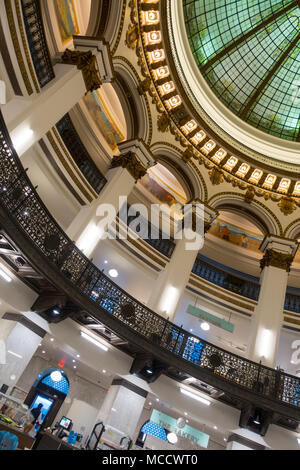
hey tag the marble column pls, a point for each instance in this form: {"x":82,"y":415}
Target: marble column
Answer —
{"x":123,"y":406}
{"x":268,"y":315}
{"x":81,"y":70}
{"x":126,"y":169}
{"x":171,"y":282}
{"x":19,"y":340}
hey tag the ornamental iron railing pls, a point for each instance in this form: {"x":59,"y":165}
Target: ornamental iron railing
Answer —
{"x":37,"y":41}
{"x":79,"y":154}
{"x":224,"y":279}
{"x":152,"y":234}
{"x":27,"y":213}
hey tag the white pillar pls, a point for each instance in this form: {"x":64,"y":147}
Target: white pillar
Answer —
{"x":28,"y":120}
{"x":123,"y":406}
{"x":18,"y":344}
{"x":126,"y":169}
{"x":268,"y":314}
{"x":171,"y":282}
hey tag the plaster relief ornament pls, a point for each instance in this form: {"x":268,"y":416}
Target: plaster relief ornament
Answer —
{"x":132,"y":36}
{"x":287,"y":205}
{"x":216,"y":176}
{"x":163,"y":122}
{"x":250,"y":193}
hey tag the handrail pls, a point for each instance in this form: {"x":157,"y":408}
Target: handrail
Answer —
{"x":24,"y":213}
{"x":79,"y":154}
{"x":37,"y":41}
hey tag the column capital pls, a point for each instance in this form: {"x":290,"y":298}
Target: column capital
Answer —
{"x":141,"y":151}
{"x":278,"y":252}
{"x":132,"y":164}
{"x":93,"y":58}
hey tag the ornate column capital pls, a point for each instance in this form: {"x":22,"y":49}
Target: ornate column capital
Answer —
{"x":93,"y":58}
{"x":135,"y":156}
{"x":278,"y":252}
{"x":131,"y":163}
{"x":86,"y":62}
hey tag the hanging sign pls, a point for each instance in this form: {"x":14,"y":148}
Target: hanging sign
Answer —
{"x":187,"y":432}
{"x":213,"y":319}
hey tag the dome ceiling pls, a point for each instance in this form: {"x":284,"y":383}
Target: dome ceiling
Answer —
{"x":249,"y":54}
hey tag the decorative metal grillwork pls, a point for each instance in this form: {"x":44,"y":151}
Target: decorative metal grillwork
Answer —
{"x":37,"y":41}
{"x":79,"y":154}
{"x":246,"y":288}
{"x":20,"y":200}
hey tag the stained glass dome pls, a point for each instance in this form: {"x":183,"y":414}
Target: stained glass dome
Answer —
{"x":249,"y":53}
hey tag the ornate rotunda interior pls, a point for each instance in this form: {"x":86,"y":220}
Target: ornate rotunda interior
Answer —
{"x":122,"y":121}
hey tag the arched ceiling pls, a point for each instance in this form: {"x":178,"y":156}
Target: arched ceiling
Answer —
{"x":249,"y":54}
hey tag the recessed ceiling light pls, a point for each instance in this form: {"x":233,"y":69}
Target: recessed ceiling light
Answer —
{"x":113,"y":273}
{"x":105,"y":262}
{"x":225,"y":439}
{"x":104,"y":371}
{"x":185,"y":413}
{"x":150,"y":404}
{"x":73,"y":360}
{"x":75,"y":367}
{"x":215,"y":427}
{"x":78,"y":355}
{"x":205,"y":326}
{"x":43,"y":352}
{"x":52,"y":339}
{"x":191,"y":330}
{"x":157,"y":399}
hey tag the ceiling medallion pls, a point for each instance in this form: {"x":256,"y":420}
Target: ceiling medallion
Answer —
{"x":174,"y":116}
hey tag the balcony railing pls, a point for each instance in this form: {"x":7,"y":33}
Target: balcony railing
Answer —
{"x":37,"y":41}
{"x":26,"y":219}
{"x":79,"y":154}
{"x":226,"y":280}
{"x":153,"y":235}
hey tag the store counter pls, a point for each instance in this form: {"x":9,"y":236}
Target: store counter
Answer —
{"x":47,"y":441}
{"x":25,"y":441}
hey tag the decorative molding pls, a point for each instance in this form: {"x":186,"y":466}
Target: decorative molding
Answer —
{"x":277,"y":260}
{"x":14,"y":36}
{"x":131,"y":163}
{"x":25,"y":46}
{"x":87,"y":63}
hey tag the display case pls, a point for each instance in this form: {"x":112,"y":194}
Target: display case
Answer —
{"x":13,"y":412}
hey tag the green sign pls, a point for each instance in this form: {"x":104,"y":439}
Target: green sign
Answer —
{"x":197,"y":312}
{"x":169,"y":423}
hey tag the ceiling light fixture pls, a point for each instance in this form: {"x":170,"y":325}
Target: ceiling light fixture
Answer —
{"x":172,"y":438}
{"x":56,"y":376}
{"x":113,"y":273}
{"x":195,"y":397}
{"x":94,"y":341}
{"x":15,"y":354}
{"x":205,"y":326}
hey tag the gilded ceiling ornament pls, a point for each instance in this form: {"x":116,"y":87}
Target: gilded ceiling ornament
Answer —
{"x":287,"y":205}
{"x":131,"y":163}
{"x":144,"y":86}
{"x":277,"y":260}
{"x":250,"y":194}
{"x":187,"y":155}
{"x":87,"y":63}
{"x":216,"y":176}
{"x":132,"y":36}
{"x":163,"y":122}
